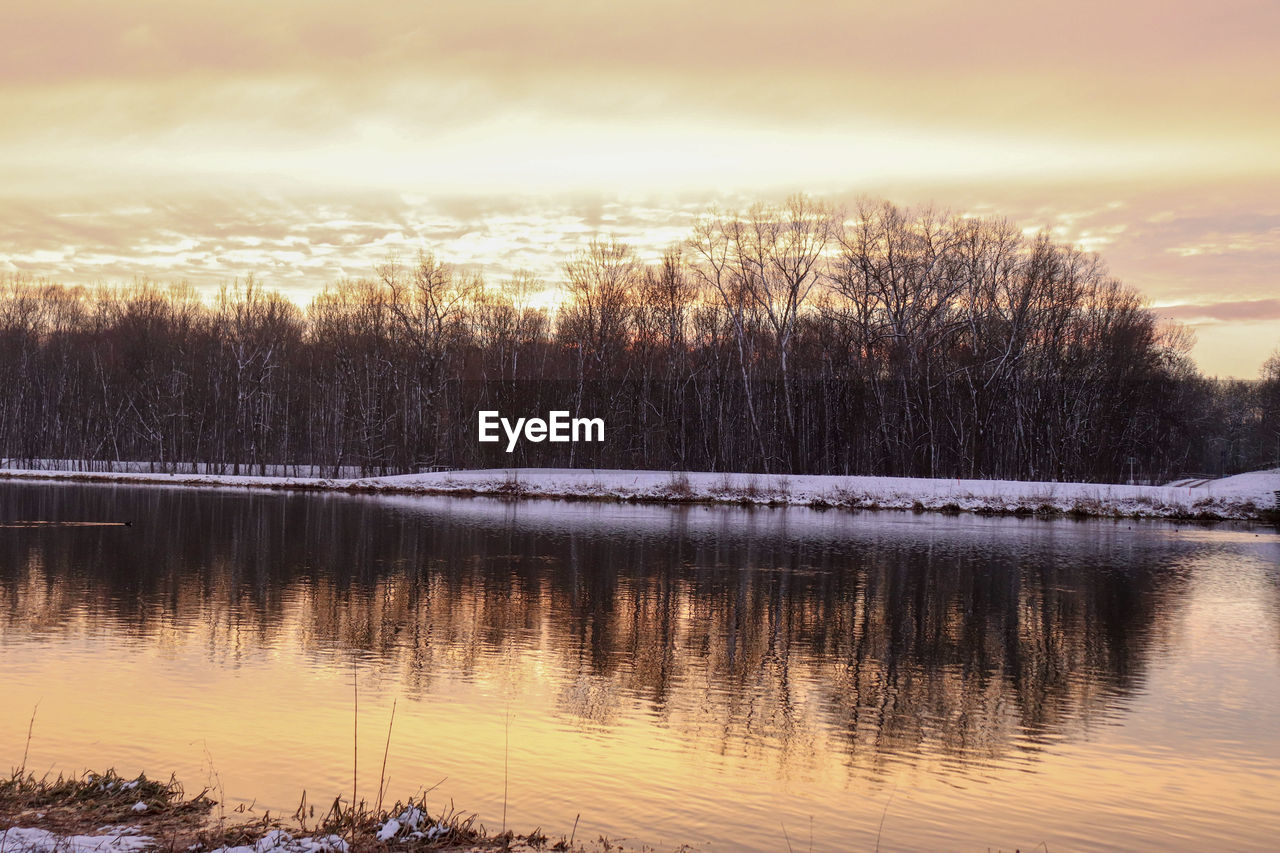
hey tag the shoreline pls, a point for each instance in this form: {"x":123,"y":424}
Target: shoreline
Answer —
{"x":1243,"y":497}
{"x":107,"y":813}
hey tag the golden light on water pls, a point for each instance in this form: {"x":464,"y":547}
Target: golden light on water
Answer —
{"x":716,"y":670}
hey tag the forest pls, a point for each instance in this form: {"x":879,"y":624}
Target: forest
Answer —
{"x":792,"y":338}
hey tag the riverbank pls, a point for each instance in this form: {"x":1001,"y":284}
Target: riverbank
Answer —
{"x":1246,"y":497}
{"x":105,"y":813}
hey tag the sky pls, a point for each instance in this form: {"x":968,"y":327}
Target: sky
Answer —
{"x":306,"y":141}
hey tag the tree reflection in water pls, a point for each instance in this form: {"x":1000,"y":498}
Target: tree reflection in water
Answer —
{"x":883,"y":637}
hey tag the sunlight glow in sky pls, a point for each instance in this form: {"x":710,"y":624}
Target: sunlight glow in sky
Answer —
{"x":305,"y":142}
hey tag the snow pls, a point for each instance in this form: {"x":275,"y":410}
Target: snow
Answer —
{"x":389,"y":830}
{"x":128,"y":840}
{"x":120,"y":840}
{"x":279,"y":841}
{"x":1239,"y":497}
{"x":410,"y":819}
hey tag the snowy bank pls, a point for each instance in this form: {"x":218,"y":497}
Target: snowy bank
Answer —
{"x":99,"y":813}
{"x":1250,"y":496}
{"x":33,"y":840}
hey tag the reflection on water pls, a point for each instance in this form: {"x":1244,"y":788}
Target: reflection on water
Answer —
{"x":676,"y":674}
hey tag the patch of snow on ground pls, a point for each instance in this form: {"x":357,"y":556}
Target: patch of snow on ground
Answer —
{"x":412,"y":817}
{"x":124,"y":840}
{"x":406,"y":827}
{"x":279,"y":841}
{"x":389,"y":830}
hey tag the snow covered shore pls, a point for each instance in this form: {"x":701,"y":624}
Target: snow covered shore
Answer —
{"x":1244,"y":496}
{"x":104,"y":813}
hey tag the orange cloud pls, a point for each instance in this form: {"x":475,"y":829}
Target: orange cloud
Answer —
{"x":164,"y":138}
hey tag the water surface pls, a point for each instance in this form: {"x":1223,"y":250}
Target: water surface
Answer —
{"x":723,"y":677}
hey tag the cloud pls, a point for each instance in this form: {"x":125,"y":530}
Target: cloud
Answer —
{"x":1243,"y":309}
{"x":1217,"y":242}
{"x":1189,"y":86}
{"x":304,"y":141}
{"x":301,"y":243}
{"x":68,"y":38}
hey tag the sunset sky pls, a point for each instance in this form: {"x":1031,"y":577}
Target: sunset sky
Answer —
{"x":305,"y":141}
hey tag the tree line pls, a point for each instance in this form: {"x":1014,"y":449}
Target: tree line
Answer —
{"x":792,"y":338}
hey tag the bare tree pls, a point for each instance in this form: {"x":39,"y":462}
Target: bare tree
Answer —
{"x":789,"y":338}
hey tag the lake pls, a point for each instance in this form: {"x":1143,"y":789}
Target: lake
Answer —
{"x":735,"y":679}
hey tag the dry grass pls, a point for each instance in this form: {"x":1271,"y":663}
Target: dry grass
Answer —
{"x":96,"y":802}
{"x":511,"y":486}
{"x":678,"y":487}
{"x":83,"y":804}
{"x":361,"y":826}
